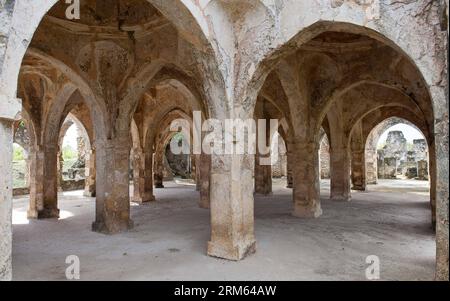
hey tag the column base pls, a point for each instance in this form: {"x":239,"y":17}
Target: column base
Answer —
{"x":32,"y":214}
{"x":341,"y":198}
{"x":145,"y":199}
{"x":307,"y":211}
{"x":289,"y":186}
{"x":159,"y":185}
{"x":231,"y":252}
{"x":359,"y":188}
{"x":122,"y":226}
{"x":44,"y":213}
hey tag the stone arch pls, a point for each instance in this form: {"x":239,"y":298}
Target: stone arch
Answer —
{"x":180,"y":13}
{"x":308,"y":32}
{"x":164,"y":136}
{"x":395,"y":97}
{"x":97,"y":109}
{"x":70,"y":120}
{"x":271,"y":60}
{"x":86,"y":152}
{"x":194,"y":99}
{"x":316,"y":24}
{"x":346,"y":111}
{"x":376,"y":124}
{"x":54,"y":120}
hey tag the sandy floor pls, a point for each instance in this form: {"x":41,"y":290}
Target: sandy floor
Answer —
{"x":168,"y":242}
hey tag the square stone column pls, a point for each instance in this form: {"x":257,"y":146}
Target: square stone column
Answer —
{"x":143,"y":176}
{"x":36,"y":204}
{"x":196,"y":171}
{"x":112,"y":213}
{"x":6,"y":153}
{"x":263,"y":175}
{"x":158,"y":175}
{"x":204,"y":181}
{"x":89,"y":182}
{"x":340,"y":174}
{"x":358,"y":170}
{"x":59,"y":171}
{"x":9,"y":109}
{"x":148,"y":176}
{"x":289,"y":163}
{"x":305,"y":167}
{"x":441,"y":145}
{"x":50,"y":200}
{"x":371,"y":160}
{"x":232,"y":220}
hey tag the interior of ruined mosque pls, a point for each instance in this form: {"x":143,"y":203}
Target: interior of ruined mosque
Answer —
{"x":93,"y":173}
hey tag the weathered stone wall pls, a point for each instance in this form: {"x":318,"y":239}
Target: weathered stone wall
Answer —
{"x":396,"y":160}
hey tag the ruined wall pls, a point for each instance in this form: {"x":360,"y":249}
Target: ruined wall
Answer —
{"x":395,"y":159}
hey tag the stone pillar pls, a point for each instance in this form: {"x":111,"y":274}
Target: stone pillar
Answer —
{"x":27,"y":170}
{"x":371,"y":166}
{"x":50,"y":200}
{"x":9,"y":108}
{"x":159,"y":171}
{"x":232,"y":220}
{"x":432,"y":181}
{"x":36,"y":204}
{"x":358,"y":170}
{"x":283,"y":164}
{"x":339,"y":174}
{"x":306,"y":193}
{"x":263,"y":176}
{"x":60,"y":168}
{"x":148,"y":176}
{"x":138,"y":174}
{"x":142,"y":174}
{"x":205,"y":171}
{"x":289,"y":163}
{"x":89,"y":182}
{"x":6,"y":154}
{"x":198,"y":184}
{"x":112,"y":214}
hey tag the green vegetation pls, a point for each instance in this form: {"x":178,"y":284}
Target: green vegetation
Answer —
{"x":178,"y":137}
{"x":18,"y":153}
{"x":69,"y":153}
